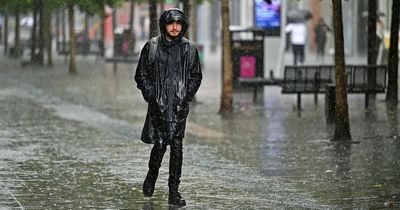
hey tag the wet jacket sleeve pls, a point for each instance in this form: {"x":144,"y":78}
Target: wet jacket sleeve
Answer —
{"x":195,"y":77}
{"x":143,"y":75}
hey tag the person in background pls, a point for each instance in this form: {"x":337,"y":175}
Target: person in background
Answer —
{"x":298,"y":38}
{"x":320,"y":37}
{"x":379,"y":37}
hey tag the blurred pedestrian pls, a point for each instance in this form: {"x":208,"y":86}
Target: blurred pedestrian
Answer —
{"x":169,"y":75}
{"x":1,"y":28}
{"x":142,"y":30}
{"x":379,"y":38}
{"x":379,"y":30}
{"x":320,"y":37}
{"x":298,"y":38}
{"x":127,"y":43}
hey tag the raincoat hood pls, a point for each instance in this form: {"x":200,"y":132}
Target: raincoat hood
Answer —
{"x":171,"y":15}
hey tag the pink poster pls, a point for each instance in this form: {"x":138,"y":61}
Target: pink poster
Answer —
{"x":247,"y":66}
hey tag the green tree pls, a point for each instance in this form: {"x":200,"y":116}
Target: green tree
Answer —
{"x":91,"y":7}
{"x":42,"y":39}
{"x":342,"y":125}
{"x":15,"y":8}
{"x":72,"y":41}
{"x":47,"y":32}
{"x":17,"y":41}
{"x":48,"y":10}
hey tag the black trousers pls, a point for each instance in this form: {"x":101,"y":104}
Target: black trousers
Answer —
{"x":298,"y":53}
{"x":175,"y":161}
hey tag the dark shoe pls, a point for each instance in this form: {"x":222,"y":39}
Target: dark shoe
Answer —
{"x":149,"y":183}
{"x":176,"y":200}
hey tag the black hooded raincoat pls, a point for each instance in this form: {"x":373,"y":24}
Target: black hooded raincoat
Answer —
{"x":168,"y":83}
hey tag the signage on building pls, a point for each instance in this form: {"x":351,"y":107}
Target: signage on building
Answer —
{"x":247,"y":66}
{"x":268,"y":16}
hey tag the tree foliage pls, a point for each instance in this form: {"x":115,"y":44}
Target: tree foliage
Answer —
{"x":11,"y":6}
{"x":91,"y":7}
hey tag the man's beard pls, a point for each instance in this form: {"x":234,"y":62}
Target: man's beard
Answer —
{"x":173,"y":37}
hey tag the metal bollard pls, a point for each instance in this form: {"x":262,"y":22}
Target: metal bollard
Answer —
{"x":316,"y":88}
{"x":330,"y":102}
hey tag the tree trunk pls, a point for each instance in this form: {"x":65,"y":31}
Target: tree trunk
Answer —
{"x":372,"y":37}
{"x":86,"y":26}
{"x":102,"y":41}
{"x":1,"y":31}
{"x":186,"y":10}
{"x":114,"y":25}
{"x":6,"y":34}
{"x":153,"y":18}
{"x":33,"y":33}
{"x":102,"y":28}
{"x":72,"y":40}
{"x":17,"y":43}
{"x":41,"y":32}
{"x":392,"y":89}
{"x":342,"y":126}
{"x":226,"y":97}
{"x":194,"y":20}
{"x":372,"y":52}
{"x":57,"y":26}
{"x":132,"y":15}
{"x":63,"y":31}
{"x":193,"y":27}
{"x":49,"y":37}
{"x":86,"y":47}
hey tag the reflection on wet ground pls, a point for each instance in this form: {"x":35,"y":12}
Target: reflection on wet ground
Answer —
{"x":72,"y":142}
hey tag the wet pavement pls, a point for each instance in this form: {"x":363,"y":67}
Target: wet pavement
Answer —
{"x":72,"y":142}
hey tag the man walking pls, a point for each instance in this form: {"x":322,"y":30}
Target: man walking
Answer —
{"x":320,"y":37}
{"x":169,"y":75}
{"x":298,"y":38}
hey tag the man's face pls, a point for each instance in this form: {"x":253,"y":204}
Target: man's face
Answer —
{"x":173,"y":29}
